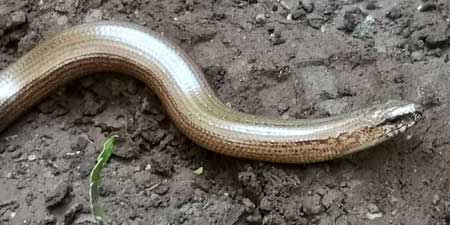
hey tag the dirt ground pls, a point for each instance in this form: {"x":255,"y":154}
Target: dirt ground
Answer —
{"x":288,"y":58}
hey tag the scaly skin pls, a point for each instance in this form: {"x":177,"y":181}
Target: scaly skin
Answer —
{"x":188,"y":99}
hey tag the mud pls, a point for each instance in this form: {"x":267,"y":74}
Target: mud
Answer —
{"x":288,"y":58}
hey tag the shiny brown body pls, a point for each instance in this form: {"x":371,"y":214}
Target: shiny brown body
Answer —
{"x":185,"y":94}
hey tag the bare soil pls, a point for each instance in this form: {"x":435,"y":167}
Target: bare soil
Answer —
{"x":288,"y":58}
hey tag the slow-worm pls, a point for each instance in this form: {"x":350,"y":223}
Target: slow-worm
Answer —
{"x":189,"y":100}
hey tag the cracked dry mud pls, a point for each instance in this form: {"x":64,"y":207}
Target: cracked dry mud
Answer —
{"x":288,"y":58}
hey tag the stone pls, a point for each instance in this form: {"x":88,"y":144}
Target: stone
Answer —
{"x":307,"y":5}
{"x":266,"y":204}
{"x":298,"y":13}
{"x":93,"y":106}
{"x":48,"y":220}
{"x":27,"y":42}
{"x":56,"y":196}
{"x":254,"y":219}
{"x":373,"y":212}
{"x":62,"y":20}
{"x":273,"y":219}
{"x":32,"y":157}
{"x":372,"y":208}
{"x":276,"y":38}
{"x":315,"y":21}
{"x":332,"y":107}
{"x":80,"y":144}
{"x":2,"y":147}
{"x":435,"y":36}
{"x":17,"y":18}
{"x":70,"y":214}
{"x":365,"y":29}
{"x":427,"y":6}
{"x":372,"y":5}
{"x":260,"y":18}
{"x":326,"y":220}
{"x":132,"y":87}
{"x":417,"y":56}
{"x":93,"y":16}
{"x":342,"y":220}
{"x":289,"y":4}
{"x":436,"y":199}
{"x":394,"y":13}
{"x":350,"y":19}
{"x":319,"y":83}
{"x":248,"y":204}
{"x":331,"y":197}
{"x":312,"y":205}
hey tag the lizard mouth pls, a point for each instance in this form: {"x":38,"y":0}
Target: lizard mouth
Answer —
{"x":399,"y":120}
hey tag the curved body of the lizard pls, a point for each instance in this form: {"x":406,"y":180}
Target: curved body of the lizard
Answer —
{"x":188,"y":99}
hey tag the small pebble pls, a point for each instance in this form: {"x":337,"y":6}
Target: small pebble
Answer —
{"x":429,"y":6}
{"x":254,"y":219}
{"x":394,"y":13}
{"x":308,"y":5}
{"x":132,"y":87}
{"x":17,"y":18}
{"x":297,"y":14}
{"x":93,"y":16}
{"x":436,"y":199}
{"x":393,"y":200}
{"x":282,"y":107}
{"x":27,"y":42}
{"x":272,"y":219}
{"x":12,"y":148}
{"x":16,"y":155}
{"x":331,"y":107}
{"x":155,"y":200}
{"x":373,"y":208}
{"x":365,"y":29}
{"x":312,"y":205}
{"x":288,"y":4}
{"x":330,"y":197}
{"x":266,"y":204}
{"x":87,"y":81}
{"x":32,"y":157}
{"x":372,"y":216}
{"x":372,"y":5}
{"x":249,"y":206}
{"x":80,"y":144}
{"x":342,"y":220}
{"x":49,"y":220}
{"x":70,"y":214}
{"x":350,"y":19}
{"x":394,"y":212}
{"x":260,"y":18}
{"x":315,"y":21}
{"x":148,"y":167}
{"x":417,"y":56}
{"x":374,"y":212}
{"x":56,"y":196}
{"x":276,"y":38}
{"x":4,"y":10}
{"x":62,"y":20}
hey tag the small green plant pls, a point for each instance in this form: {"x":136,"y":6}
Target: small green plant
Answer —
{"x":95,"y":179}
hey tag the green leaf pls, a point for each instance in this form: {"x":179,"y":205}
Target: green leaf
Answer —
{"x":199,"y":171}
{"x":95,"y":179}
